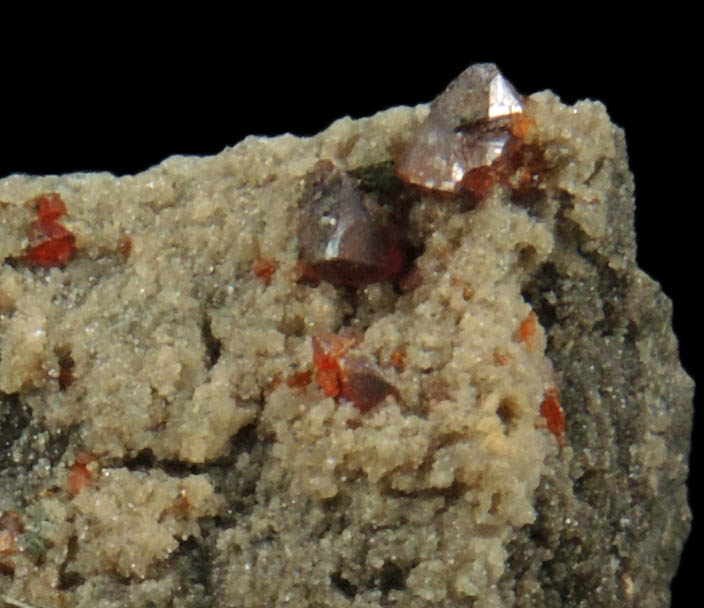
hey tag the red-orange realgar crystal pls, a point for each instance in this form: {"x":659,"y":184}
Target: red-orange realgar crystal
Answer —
{"x":52,"y":244}
{"x":554,"y":415}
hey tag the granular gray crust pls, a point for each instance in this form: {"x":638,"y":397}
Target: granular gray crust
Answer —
{"x":220,"y":485}
{"x":612,"y":524}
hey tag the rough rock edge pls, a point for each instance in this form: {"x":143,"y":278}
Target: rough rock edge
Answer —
{"x":620,"y":540}
{"x":613,"y":441}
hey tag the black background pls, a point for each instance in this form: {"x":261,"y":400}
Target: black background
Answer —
{"x":124,"y":111}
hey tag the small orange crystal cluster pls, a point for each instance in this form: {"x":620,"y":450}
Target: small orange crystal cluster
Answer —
{"x":52,"y":244}
{"x":353,"y":378}
{"x":264,"y":269}
{"x":11,"y":526}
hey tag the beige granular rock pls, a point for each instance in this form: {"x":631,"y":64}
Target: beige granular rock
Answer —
{"x":224,"y":486}
{"x":132,"y":520}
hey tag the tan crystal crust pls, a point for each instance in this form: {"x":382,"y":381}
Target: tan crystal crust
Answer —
{"x":179,"y":349}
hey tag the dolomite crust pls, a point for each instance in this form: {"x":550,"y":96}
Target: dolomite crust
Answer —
{"x":253,"y":491}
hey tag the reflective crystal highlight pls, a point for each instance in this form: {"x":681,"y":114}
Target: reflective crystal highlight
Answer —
{"x":343,"y":237}
{"x":503,"y":99}
{"x":467,"y":128}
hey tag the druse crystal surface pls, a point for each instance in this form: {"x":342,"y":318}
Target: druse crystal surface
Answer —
{"x":313,"y":372}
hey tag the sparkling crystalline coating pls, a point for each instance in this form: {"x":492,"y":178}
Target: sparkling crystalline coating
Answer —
{"x":343,"y":237}
{"x":468,"y":127}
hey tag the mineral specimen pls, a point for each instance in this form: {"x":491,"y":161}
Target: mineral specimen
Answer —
{"x":409,"y":361}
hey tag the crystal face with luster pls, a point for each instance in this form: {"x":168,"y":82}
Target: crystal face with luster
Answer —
{"x":344,"y":238}
{"x":353,"y":378}
{"x":469,"y":126}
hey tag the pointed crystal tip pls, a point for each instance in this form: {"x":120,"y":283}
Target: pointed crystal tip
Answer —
{"x":467,"y":128}
{"x":341,"y":239}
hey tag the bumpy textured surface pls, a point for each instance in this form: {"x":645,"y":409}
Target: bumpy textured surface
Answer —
{"x":220,"y":484}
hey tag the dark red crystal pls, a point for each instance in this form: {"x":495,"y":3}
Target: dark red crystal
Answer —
{"x":351,"y":377}
{"x":344,"y":238}
{"x":50,"y":207}
{"x":362,"y":385}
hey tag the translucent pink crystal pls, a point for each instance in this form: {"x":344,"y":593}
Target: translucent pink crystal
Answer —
{"x":468,"y":127}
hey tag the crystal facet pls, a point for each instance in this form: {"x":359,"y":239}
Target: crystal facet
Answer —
{"x":468,"y":127}
{"x":363,"y":385}
{"x":353,"y":378}
{"x":344,"y":238}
